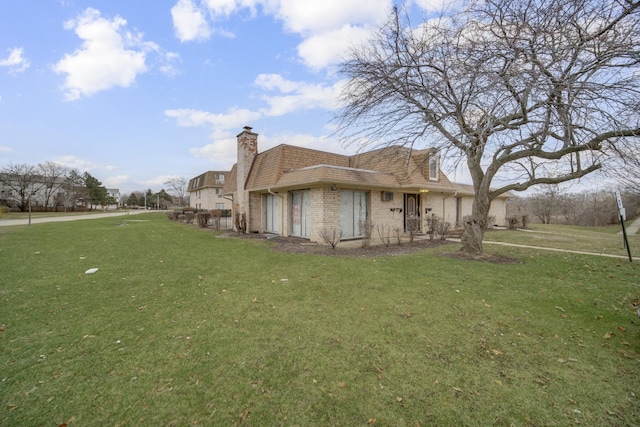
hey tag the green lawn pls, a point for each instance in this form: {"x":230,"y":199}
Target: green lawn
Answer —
{"x":587,"y":239}
{"x":180,"y":327}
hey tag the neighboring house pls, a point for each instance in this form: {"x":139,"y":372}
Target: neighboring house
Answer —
{"x":205,"y":191}
{"x":294,"y":191}
{"x":114,"y":193}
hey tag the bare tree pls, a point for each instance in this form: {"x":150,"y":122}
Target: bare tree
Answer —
{"x":546,"y":202}
{"x":20,"y":183}
{"x":537,"y":91}
{"x":627,"y":174}
{"x":52,"y":175}
{"x":178,"y":189}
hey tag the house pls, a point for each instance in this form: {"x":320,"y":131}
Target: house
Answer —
{"x":295,"y":191}
{"x":205,"y":191}
{"x":113,"y":196}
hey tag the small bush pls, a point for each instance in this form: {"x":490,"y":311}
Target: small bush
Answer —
{"x":512,"y":222}
{"x":332,"y":237}
{"x":438,"y":229}
{"x":384,"y":232}
{"x":203,"y":219}
{"x":413,"y":226}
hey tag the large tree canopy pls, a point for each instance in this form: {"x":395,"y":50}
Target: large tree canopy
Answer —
{"x":536,"y":90}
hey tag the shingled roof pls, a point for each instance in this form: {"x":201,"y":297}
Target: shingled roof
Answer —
{"x":288,"y":166}
{"x":207,"y":180}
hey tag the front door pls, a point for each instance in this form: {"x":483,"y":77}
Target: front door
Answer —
{"x":412,"y":212}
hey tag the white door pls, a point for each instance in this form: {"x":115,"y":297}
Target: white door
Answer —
{"x":272,"y":213}
{"x":300,"y":213}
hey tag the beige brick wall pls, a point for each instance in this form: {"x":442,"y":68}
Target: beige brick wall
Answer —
{"x":498,"y":210}
{"x":325,"y":211}
{"x":383,"y":219}
{"x":207,"y":199}
{"x":255,"y":216}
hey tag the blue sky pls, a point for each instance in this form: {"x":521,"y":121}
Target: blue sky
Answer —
{"x":136,"y":92}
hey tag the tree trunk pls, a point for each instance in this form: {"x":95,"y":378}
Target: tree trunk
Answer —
{"x":472,"y":236}
{"x":475,"y":226}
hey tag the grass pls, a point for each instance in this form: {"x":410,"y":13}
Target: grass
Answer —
{"x":180,"y":327}
{"x":587,"y":239}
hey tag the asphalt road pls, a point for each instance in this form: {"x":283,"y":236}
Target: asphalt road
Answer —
{"x":8,"y":222}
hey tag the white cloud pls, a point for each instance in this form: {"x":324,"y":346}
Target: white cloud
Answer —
{"x":297,"y":95}
{"x":436,"y":5}
{"x":290,"y":97}
{"x":221,"y":152}
{"x":331,"y":47}
{"x":158,"y":182}
{"x":83,"y":165}
{"x":5,"y":149}
{"x":189,"y":22}
{"x":109,"y":56}
{"x":75,"y":162}
{"x":233,"y":119}
{"x":15,"y":62}
{"x":319,"y":16}
{"x":115,"y":181}
{"x":327,"y":27}
{"x":227,"y":7}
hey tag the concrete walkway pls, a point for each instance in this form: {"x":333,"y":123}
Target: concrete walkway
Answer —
{"x":633,"y":228}
{"x":25,"y":221}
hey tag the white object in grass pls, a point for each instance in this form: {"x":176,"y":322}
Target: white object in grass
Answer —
{"x":91,"y":271}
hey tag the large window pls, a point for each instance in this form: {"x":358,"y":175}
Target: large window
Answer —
{"x":353,"y":213}
{"x":272,"y":213}
{"x":433,"y":168}
{"x":300,"y":213}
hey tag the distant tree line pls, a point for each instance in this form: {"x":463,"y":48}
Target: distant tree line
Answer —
{"x":49,"y":186}
{"x":551,"y":204}
{"x":148,"y":199}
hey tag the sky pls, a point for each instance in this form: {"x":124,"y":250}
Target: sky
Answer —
{"x":137,"y":92}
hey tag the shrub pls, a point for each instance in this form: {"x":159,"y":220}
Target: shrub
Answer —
{"x":413,"y":225}
{"x":203,"y":219}
{"x":438,"y":229}
{"x":384,"y":232}
{"x":512,"y":222}
{"x":332,"y":237}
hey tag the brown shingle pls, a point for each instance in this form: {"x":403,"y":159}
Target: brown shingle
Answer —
{"x":270,"y":165}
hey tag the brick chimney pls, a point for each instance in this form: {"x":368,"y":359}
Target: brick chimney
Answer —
{"x":247,"y":150}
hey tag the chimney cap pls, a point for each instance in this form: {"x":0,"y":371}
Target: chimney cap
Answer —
{"x":248,"y":128}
